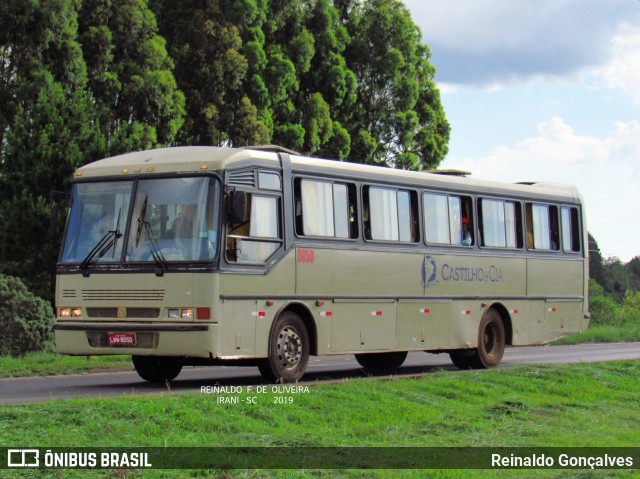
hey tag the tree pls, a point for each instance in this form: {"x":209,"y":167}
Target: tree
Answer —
{"x":205,"y":38}
{"x":45,"y":143}
{"x":398,"y":120}
{"x":130,"y":75}
{"x":596,"y":262}
{"x":36,"y":37}
{"x":48,"y":129}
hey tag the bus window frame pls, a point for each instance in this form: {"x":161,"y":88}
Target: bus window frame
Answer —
{"x":251,"y":191}
{"x":352,"y":194}
{"x":519,"y":218}
{"x":414,"y":213}
{"x":548,"y":205}
{"x":469,"y":200}
{"x":130,"y":266}
{"x":578,"y":216}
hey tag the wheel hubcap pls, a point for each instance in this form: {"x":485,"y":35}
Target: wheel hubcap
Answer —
{"x":289,"y":347}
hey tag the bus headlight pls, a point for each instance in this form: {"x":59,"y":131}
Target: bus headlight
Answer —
{"x":180,"y":313}
{"x":70,"y":312}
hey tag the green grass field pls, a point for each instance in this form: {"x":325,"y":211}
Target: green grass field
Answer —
{"x":551,"y":406}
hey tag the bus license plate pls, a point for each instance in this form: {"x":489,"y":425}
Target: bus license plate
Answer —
{"x":122,"y":339}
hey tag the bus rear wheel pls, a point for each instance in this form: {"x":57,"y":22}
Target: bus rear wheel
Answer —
{"x":381,"y":360}
{"x":157,"y":369}
{"x":288,"y":350}
{"x":491,"y":341}
{"x":491,"y":345}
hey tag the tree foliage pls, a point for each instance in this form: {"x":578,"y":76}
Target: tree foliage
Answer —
{"x":75,"y":86}
{"x":618,"y":281}
{"x":85,"y":79}
{"x":340,"y":79}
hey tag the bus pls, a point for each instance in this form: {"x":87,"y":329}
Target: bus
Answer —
{"x":259,"y":256}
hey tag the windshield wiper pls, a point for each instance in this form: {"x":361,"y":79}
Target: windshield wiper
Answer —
{"x":108,"y":241}
{"x":156,"y":252}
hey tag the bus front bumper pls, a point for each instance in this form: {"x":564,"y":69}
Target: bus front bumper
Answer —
{"x":194,"y":340}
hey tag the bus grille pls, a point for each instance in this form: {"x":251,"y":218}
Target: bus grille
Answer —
{"x":112,"y":313}
{"x":123,"y":295}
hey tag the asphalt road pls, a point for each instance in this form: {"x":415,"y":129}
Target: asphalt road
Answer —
{"x":332,"y":368}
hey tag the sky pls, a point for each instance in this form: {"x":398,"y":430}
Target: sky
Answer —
{"x":545,"y":90}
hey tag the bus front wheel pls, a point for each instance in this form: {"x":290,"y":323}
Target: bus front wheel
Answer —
{"x":156,"y":369}
{"x":288,"y":350}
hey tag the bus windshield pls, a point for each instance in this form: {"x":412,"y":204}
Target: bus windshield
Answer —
{"x":172,"y":220}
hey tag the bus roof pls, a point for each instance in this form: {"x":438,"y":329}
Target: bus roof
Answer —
{"x":202,"y":159}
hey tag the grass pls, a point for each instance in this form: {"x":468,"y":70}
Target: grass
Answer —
{"x":553,"y":406}
{"x":50,"y":364}
{"x":604,"y":334}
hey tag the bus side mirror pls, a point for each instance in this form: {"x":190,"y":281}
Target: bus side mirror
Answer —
{"x":238,"y":207}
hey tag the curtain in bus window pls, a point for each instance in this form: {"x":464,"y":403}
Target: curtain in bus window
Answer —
{"x":436,"y":218}
{"x":404,"y":216}
{"x":263,"y":224}
{"x":541,"y":239}
{"x":264,"y":217}
{"x":510,"y":224}
{"x":384,"y":214}
{"x":317,"y":208}
{"x":493,"y":223}
{"x":570,"y":230}
{"x":455,"y":220}
{"x":341,"y":211}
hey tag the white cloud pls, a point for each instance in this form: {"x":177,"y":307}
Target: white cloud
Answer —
{"x":623,"y":71}
{"x":606,"y":170}
{"x":505,"y":42}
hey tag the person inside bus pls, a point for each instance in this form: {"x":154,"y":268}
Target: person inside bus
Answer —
{"x":467,"y":240}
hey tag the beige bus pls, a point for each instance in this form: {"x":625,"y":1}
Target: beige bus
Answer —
{"x":259,"y":256}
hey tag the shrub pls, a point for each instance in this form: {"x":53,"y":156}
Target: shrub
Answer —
{"x":631,"y":306}
{"x":26,"y":321}
{"x":606,"y":312}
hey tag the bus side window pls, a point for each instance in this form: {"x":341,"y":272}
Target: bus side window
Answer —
{"x":448,"y":219}
{"x":499,"y":223}
{"x":390,"y":214}
{"x":325,"y":209}
{"x":542,"y":227}
{"x":256,"y":240}
{"x":570,"y":230}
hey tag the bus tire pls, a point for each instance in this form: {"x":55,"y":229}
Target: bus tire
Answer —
{"x":491,"y":341}
{"x":157,"y":369}
{"x":289,"y":349}
{"x":461,"y":360}
{"x":382,"y":360}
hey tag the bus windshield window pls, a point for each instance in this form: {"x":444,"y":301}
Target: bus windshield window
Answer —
{"x":97,"y":209}
{"x":178,"y":215}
